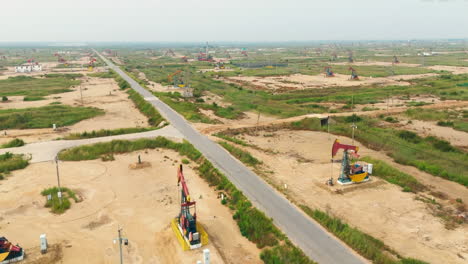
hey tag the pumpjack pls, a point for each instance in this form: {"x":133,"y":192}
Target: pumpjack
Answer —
{"x":354,"y":75}
{"x":329,"y":72}
{"x":395,"y":60}
{"x":349,"y":173}
{"x":186,"y":221}
{"x":10,"y":253}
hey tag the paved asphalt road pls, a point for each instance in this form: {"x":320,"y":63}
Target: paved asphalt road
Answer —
{"x":47,"y":150}
{"x":316,"y":243}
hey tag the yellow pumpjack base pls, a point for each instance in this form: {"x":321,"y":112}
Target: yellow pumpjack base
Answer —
{"x":182,"y":241}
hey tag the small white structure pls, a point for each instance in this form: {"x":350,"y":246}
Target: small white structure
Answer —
{"x":43,"y":240}
{"x":206,"y":256}
{"x":29,"y":67}
{"x":188,"y":92}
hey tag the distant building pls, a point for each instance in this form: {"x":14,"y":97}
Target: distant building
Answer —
{"x":29,"y":67}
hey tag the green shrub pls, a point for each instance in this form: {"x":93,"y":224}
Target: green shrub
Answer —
{"x":33,"y":98}
{"x":10,"y":162}
{"x":391,"y":119}
{"x":4,"y":98}
{"x":185,"y":161}
{"x":445,"y":123}
{"x":441,"y":145}
{"x":57,"y":205}
{"x":17,"y":142}
{"x":352,"y":118}
{"x":409,"y":136}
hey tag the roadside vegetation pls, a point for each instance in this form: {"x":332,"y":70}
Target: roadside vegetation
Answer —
{"x":32,"y":87}
{"x":244,"y":156}
{"x":57,"y":205}
{"x":44,"y":117}
{"x":10,"y":162}
{"x":429,"y":154}
{"x":366,"y":245}
{"x":17,"y":142}
{"x":154,"y":117}
{"x":252,"y":223}
{"x":108,"y":132}
{"x":233,"y":139}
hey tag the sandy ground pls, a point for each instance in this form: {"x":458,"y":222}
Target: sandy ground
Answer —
{"x":452,"y":69}
{"x":302,"y":165}
{"x":429,"y":128}
{"x":300,"y":81}
{"x":377,"y":63}
{"x":120,"y":111}
{"x":142,"y":202}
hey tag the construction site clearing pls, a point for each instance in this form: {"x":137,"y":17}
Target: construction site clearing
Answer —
{"x":298,"y":164}
{"x":144,"y":201}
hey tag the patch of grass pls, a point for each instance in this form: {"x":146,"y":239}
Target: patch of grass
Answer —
{"x":109,"y":132}
{"x":416,"y":103}
{"x":43,"y":117}
{"x":394,"y":176}
{"x":33,"y":98}
{"x":17,"y":142}
{"x":35,"y":87}
{"x":286,"y":253}
{"x":232,"y":139}
{"x":244,"y":156}
{"x":252,"y":223}
{"x":10,"y":162}
{"x":56,"y":206}
{"x":154,"y":117}
{"x":366,"y":245}
{"x":449,"y":118}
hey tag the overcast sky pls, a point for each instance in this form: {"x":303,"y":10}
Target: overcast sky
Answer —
{"x":231,"y":20}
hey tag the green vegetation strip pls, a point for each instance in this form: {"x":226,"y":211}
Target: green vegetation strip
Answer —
{"x":17,"y":142}
{"x":35,"y":87}
{"x":429,"y":154}
{"x":366,"y":245}
{"x":240,"y":154}
{"x":109,"y":132}
{"x":394,"y":176}
{"x":252,"y":223}
{"x":10,"y":162}
{"x":57,"y":205}
{"x":43,"y":117}
{"x":154,"y":117}
{"x":233,"y":140}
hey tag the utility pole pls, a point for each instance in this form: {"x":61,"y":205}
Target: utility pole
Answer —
{"x":353,"y":127}
{"x":59,"y":194}
{"x":81,"y":95}
{"x":121,"y":239}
